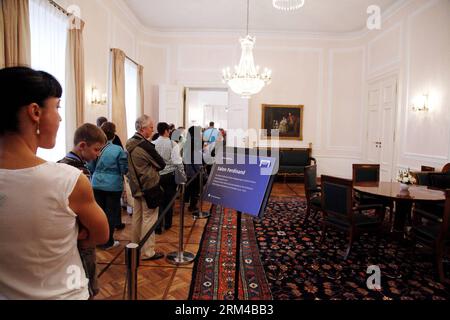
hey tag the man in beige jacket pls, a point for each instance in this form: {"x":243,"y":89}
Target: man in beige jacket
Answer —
{"x":144,"y":163}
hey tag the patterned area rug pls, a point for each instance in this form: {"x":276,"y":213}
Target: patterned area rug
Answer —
{"x":298,"y":267}
{"x":213,"y":276}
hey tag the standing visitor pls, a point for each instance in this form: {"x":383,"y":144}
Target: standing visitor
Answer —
{"x":107,"y":180}
{"x":88,"y":142}
{"x":38,"y":237}
{"x":144,"y":165}
{"x":170,"y":152}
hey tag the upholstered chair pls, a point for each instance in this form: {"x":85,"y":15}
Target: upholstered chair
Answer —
{"x":312,"y":192}
{"x":340,"y":213}
{"x":436,"y":234}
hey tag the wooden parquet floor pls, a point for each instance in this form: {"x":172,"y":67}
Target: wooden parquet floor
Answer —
{"x":159,"y":280}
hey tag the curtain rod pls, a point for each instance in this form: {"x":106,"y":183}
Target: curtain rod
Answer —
{"x":128,"y":58}
{"x":57,"y":6}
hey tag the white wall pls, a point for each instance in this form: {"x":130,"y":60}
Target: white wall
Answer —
{"x":325,"y":75}
{"x":328,"y":75}
{"x":415,"y":44}
{"x":106,"y":27}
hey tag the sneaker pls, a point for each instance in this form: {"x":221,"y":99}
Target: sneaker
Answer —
{"x":121,"y":226}
{"x":158,"y":255}
{"x":115,"y":245}
{"x":192,"y":209}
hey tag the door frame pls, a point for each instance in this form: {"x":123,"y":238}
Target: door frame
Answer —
{"x":197,"y":86}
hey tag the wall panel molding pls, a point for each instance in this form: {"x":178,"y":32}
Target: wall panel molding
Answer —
{"x":409,"y":22}
{"x":166,"y":48}
{"x":392,"y":63}
{"x":204,"y":47}
{"x":343,"y":148}
{"x":320,"y":85}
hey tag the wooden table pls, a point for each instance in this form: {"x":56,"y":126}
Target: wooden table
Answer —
{"x":403,"y":199}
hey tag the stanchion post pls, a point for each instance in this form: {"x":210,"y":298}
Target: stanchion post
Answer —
{"x":181,"y":257}
{"x":200,"y":214}
{"x":132,"y":256}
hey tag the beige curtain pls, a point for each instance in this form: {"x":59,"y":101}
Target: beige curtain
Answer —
{"x":75,"y":66}
{"x":75,"y":85}
{"x":118,"y":93}
{"x":141,"y":87}
{"x":2,"y":38}
{"x":15,"y":49}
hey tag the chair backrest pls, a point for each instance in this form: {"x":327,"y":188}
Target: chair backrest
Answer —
{"x":445,"y":227}
{"x":446,"y":168}
{"x":422,"y":178}
{"x":310,"y":179}
{"x":337,"y":196}
{"x":427,"y":169}
{"x":366,"y":173}
{"x":439,"y":180}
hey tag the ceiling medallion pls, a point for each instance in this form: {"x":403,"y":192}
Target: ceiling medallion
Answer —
{"x":288,"y":5}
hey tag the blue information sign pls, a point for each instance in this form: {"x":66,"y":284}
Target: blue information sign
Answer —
{"x":244,"y":186}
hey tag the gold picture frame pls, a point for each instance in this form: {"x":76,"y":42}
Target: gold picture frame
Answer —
{"x":288,"y":119}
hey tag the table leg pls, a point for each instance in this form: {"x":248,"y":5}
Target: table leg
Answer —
{"x":402,"y":211}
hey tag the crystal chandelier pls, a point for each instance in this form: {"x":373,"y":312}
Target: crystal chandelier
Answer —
{"x":288,"y":5}
{"x":246,"y":79}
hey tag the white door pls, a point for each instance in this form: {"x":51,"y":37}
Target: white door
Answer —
{"x":381,"y":116}
{"x":237,"y":119}
{"x":171,"y":108}
{"x":373,"y":124}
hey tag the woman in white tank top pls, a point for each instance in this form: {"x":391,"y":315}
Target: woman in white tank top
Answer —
{"x":40,"y":202}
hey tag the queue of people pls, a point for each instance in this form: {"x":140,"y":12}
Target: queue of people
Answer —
{"x":54,"y":216}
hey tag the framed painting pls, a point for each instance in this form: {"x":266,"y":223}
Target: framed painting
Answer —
{"x":287,"y":119}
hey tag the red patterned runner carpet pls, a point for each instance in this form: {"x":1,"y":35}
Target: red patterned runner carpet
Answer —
{"x":213,"y":276}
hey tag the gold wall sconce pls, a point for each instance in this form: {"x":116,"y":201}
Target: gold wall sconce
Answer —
{"x":421,"y":104}
{"x":96,"y":98}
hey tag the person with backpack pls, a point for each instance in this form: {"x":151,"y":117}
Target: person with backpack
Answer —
{"x":89,"y":140}
{"x":145,"y":163}
{"x":170,"y":151}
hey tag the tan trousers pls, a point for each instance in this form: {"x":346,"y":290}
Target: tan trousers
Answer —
{"x":130,"y":198}
{"x":143,"y":219}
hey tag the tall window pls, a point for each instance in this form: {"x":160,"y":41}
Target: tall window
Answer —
{"x":131,"y":92}
{"x":48,"y":53}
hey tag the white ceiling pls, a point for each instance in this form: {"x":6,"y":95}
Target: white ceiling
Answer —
{"x":318,"y":16}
